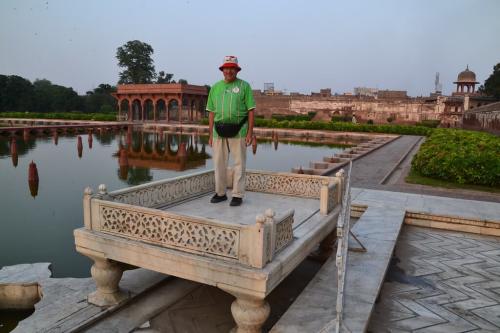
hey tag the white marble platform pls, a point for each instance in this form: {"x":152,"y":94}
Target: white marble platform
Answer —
{"x":245,"y":214}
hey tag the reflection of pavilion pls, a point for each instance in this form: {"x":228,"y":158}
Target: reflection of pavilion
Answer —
{"x":161,"y":102}
{"x":168,"y":152}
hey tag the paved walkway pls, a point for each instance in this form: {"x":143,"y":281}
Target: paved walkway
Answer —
{"x":441,"y":281}
{"x":372,"y":168}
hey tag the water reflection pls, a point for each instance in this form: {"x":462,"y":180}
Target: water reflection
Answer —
{"x":33,"y":179}
{"x":21,"y":147}
{"x":158,"y":150}
{"x":79,"y":146}
{"x":13,"y":152}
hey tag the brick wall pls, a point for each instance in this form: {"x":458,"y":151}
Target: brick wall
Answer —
{"x":483,"y":118}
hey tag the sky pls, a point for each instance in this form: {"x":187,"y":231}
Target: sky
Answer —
{"x":301,"y":46}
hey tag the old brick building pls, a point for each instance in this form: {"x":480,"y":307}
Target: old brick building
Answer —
{"x":381,"y":104}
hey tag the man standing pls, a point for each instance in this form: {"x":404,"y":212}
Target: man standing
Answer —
{"x":231,"y":118}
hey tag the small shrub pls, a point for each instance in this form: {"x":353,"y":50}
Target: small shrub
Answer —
{"x":429,"y":123}
{"x":106,"y":108}
{"x":337,"y":119}
{"x":459,"y":156}
{"x":291,"y":117}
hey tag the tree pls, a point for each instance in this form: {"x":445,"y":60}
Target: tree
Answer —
{"x":491,"y":85}
{"x":100,"y":99}
{"x":55,"y":98}
{"x":16,"y":93}
{"x":183,"y":81}
{"x":164,"y":77}
{"x":135,"y":58}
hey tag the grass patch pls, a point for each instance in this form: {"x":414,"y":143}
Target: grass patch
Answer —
{"x":61,"y":115}
{"x":416,"y":178}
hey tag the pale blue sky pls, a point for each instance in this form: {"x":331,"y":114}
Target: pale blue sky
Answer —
{"x":299,"y":45}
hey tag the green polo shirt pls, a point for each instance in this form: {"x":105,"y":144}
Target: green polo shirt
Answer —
{"x":230,"y":102}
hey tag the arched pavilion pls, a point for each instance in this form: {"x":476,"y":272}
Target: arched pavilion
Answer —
{"x":165,"y":102}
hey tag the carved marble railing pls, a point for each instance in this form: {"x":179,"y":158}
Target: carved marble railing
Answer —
{"x":286,"y":184}
{"x":327,"y":189}
{"x":173,"y":190}
{"x":166,"y":191}
{"x":253,"y":245}
{"x":133,"y":214}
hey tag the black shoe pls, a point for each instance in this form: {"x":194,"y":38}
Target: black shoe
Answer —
{"x":218,"y":198}
{"x":235,"y":201}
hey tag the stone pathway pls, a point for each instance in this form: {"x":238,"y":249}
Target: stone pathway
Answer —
{"x":372,"y":168}
{"x":441,"y":281}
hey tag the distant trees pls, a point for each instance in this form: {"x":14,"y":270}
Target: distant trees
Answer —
{"x":164,"y":77}
{"x":18,"y":94}
{"x":491,"y":85}
{"x":100,"y":99}
{"x":135,"y":58}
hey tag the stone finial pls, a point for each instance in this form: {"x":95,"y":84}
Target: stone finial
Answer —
{"x":325,"y":182}
{"x":102,"y":189}
{"x":340,"y":173}
{"x":260,"y":219}
{"x":88,"y":191}
{"x":269,"y":213}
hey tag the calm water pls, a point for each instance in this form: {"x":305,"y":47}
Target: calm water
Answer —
{"x":38,"y":227}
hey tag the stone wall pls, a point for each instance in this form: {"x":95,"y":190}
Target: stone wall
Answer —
{"x":483,"y":118}
{"x":408,"y":110}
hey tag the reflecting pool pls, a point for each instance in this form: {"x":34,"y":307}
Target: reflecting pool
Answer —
{"x":41,"y":202}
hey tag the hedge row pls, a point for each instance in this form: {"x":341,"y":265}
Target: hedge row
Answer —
{"x":293,"y":117}
{"x":459,"y":156}
{"x":341,"y":126}
{"x":61,"y":115}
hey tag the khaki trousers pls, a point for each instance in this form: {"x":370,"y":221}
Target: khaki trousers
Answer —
{"x":238,"y":150}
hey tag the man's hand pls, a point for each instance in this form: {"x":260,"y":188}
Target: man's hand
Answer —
{"x":248,"y":139}
{"x":210,"y":140}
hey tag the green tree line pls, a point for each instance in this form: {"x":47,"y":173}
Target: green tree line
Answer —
{"x":18,"y":94}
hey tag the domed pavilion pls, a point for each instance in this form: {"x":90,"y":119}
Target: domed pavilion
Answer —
{"x":466,"y":82}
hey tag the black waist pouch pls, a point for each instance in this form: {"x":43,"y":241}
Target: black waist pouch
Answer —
{"x":229,"y":130}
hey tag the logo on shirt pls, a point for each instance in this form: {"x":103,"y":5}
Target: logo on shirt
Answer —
{"x":236,"y":90}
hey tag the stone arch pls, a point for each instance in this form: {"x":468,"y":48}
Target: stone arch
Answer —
{"x":192,"y":110}
{"x":136,"y":110}
{"x":124,"y":107}
{"x":147,"y":143}
{"x":148,"y":109}
{"x":173,"y":110}
{"x":185,"y":109}
{"x":172,"y":144}
{"x":161,"y":110}
{"x":202,"y":110}
{"x":160,"y":143}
